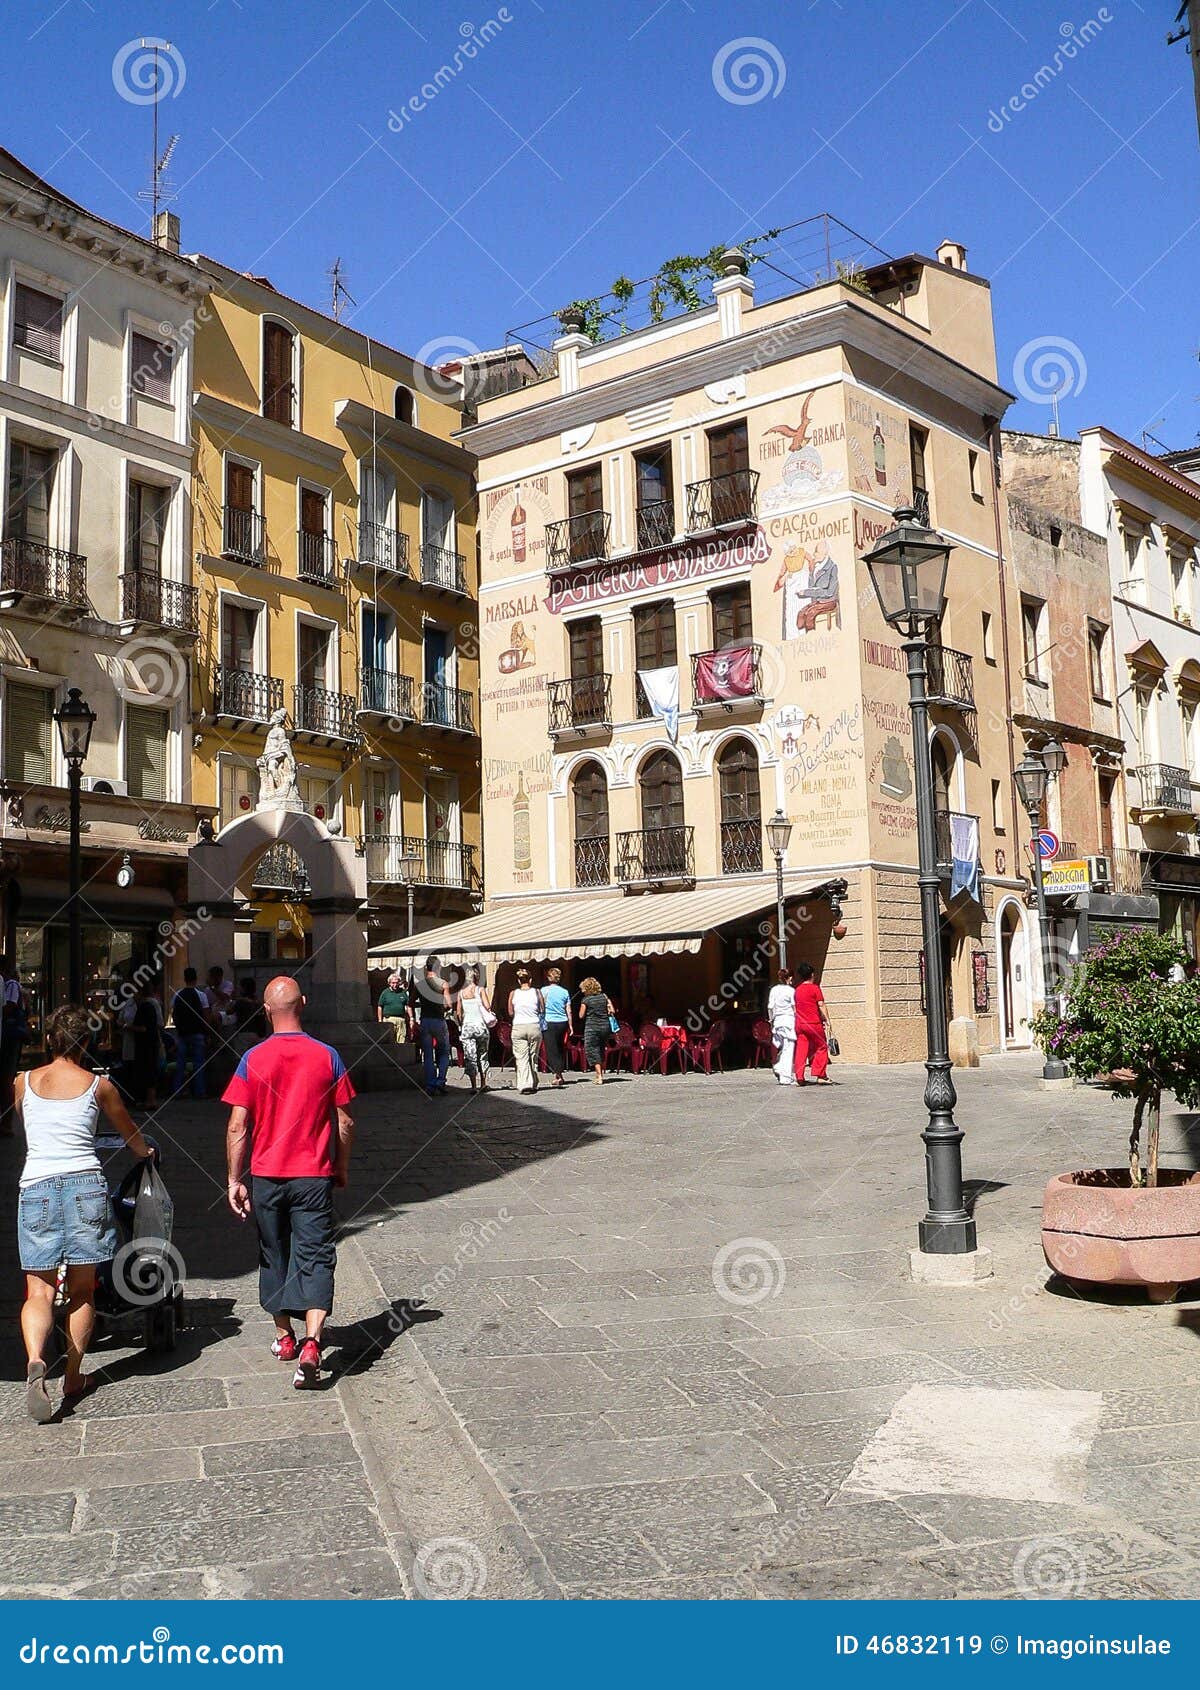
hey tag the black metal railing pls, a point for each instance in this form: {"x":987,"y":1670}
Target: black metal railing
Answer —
{"x":592,"y":862}
{"x":44,"y":572}
{"x":733,"y":672}
{"x":242,"y":536}
{"x":724,"y":501}
{"x":446,"y":707}
{"x":166,"y":604}
{"x":443,"y":862}
{"x":951,"y":677}
{"x":655,"y":524}
{"x":920,"y":503}
{"x":578,"y":539}
{"x":585,"y":702}
{"x":657,"y":853}
{"x":1165,"y":787}
{"x":741,"y":846}
{"x":380,"y":547}
{"x":318,"y":710}
{"x":281,"y":869}
{"x":317,"y":559}
{"x":443,"y":568}
{"x":943,"y":832}
{"x":246,"y":696}
{"x":380,"y":693}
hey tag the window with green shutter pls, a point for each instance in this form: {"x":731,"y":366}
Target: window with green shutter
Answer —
{"x":146,"y":752}
{"x":28,"y":730}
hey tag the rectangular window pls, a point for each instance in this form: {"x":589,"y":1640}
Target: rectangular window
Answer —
{"x":238,"y":790}
{"x":239,"y":624}
{"x":728,"y":450}
{"x":151,"y":364}
{"x":146,"y":741}
{"x":147,"y":523}
{"x":587,"y":648}
{"x":585,"y":490}
{"x":312,"y":651}
{"x":30,"y":485}
{"x":918,"y":439}
{"x":1031,"y":624}
{"x":239,"y":486}
{"x":997,"y":807}
{"x":654,"y":642}
{"x":28,"y":727}
{"x":278,"y":387}
{"x":989,"y":638}
{"x":1106,"y":786}
{"x":730,"y":615}
{"x":655,"y":498}
{"x":973,"y":474}
{"x":1098,"y":667}
{"x":1146,"y":721}
{"x":37,"y":321}
{"x":1133,"y":538}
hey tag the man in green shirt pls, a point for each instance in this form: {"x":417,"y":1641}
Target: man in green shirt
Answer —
{"x":393,"y":1007}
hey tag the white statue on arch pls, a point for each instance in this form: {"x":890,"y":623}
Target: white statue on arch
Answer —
{"x":277,"y":787}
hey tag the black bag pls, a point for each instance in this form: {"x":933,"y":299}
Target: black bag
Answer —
{"x":834,"y":1047}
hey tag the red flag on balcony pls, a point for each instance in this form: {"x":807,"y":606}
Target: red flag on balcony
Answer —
{"x":725,"y":674}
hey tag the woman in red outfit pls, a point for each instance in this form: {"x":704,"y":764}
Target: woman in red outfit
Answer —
{"x":812,"y":1027}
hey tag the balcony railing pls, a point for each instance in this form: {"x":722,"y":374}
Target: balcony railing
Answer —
{"x":724,"y":501}
{"x":657,"y":853}
{"x":242,"y":536}
{"x":245,"y":696}
{"x":591,"y":862}
{"x":281,"y":869}
{"x":741,"y":846}
{"x":1166,"y":788}
{"x":920,"y":503}
{"x":579,"y":704}
{"x":380,"y":547}
{"x":330,"y":715}
{"x":447,"y":707}
{"x":444,"y":862}
{"x":951,"y":677}
{"x":1128,"y":870}
{"x":380,"y":693}
{"x":655,"y":524}
{"x":445,"y":569}
{"x":165,"y":604}
{"x":943,"y":832}
{"x":578,"y":539}
{"x":43,"y":572}
{"x":728,"y":676}
{"x":317,"y":559}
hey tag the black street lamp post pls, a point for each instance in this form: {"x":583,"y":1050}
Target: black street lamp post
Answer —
{"x":75,"y":723}
{"x":411,"y":865}
{"x":908,"y":573}
{"x":1033,"y":775}
{"x":779,"y":831}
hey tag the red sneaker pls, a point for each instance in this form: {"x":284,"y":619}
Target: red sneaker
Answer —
{"x":308,"y":1372}
{"x":284,"y":1349}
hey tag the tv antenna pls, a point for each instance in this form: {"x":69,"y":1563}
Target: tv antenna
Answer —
{"x":160,"y":189}
{"x":339,"y":293}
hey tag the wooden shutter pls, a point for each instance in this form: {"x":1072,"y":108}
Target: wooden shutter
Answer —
{"x":591,"y":803}
{"x":662,"y":792}
{"x":37,"y":321}
{"x":312,"y":512}
{"x":151,"y":363}
{"x":239,"y":486}
{"x":587,"y":649}
{"x":654,"y":634}
{"x":146,"y":752}
{"x":28,"y":726}
{"x":738,"y":769}
{"x":731,"y":615}
{"x":238,"y":624}
{"x":728,"y":450}
{"x":313,"y":655}
{"x":585,"y":490}
{"x":147,"y":519}
{"x":277,"y":373}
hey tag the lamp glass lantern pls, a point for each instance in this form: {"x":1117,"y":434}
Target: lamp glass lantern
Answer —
{"x":1032,"y":778}
{"x":75,"y":723}
{"x":779,"y":831}
{"x":410,"y":867}
{"x":908,"y":572}
{"x":1054,"y":755}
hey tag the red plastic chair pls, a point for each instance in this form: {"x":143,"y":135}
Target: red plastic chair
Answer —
{"x":655,"y":1050}
{"x":705,"y":1048}
{"x":764,"y":1044}
{"x":504,"y":1035}
{"x":576,"y":1056}
{"x":624,"y":1048}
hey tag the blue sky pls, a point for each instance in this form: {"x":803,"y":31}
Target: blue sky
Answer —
{"x":583,"y":141}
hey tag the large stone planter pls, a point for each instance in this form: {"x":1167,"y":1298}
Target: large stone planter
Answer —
{"x":1099,"y":1230}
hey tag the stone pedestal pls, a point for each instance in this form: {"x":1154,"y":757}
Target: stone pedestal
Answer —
{"x":966,"y":1269}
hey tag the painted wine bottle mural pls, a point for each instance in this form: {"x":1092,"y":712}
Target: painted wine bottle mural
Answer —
{"x":880,"y":454}
{"x":522,"y":843}
{"x":518,"y":528}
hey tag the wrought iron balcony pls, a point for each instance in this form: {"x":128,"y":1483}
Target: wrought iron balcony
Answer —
{"x":382,"y":548}
{"x":656,"y":854}
{"x":1165,"y":788}
{"x":578,"y":539}
{"x":920,"y":503}
{"x":242,"y":536}
{"x":655,"y":524}
{"x":281,"y":869}
{"x":591,"y":862}
{"x":580,"y":706}
{"x":380,"y":693}
{"x":724,"y":501}
{"x":741,"y":846}
{"x":447,"y":707}
{"x":324,"y":714}
{"x":36,"y":571}
{"x":444,"y":862}
{"x":162,"y":603}
{"x":444,"y":569}
{"x":245,"y":697}
{"x":723,"y":679}
{"x":943,"y":832}
{"x":951,"y":678}
{"x":317,"y":559}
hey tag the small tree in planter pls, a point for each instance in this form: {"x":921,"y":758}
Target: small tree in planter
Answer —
{"x":1123,"y":1017}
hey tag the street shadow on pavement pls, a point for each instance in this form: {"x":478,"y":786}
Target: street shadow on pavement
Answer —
{"x":974,"y":1189}
{"x":357,"y":1347}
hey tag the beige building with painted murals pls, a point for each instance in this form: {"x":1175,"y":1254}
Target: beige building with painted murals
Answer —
{"x":677,"y":513}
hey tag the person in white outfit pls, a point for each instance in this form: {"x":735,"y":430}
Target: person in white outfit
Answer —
{"x":781,"y":1013}
{"x":475,"y":1023}
{"x":526,"y":1008}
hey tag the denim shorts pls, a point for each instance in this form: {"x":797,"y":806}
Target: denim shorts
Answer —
{"x":65,"y":1219}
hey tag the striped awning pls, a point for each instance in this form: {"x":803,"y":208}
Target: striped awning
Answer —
{"x":541,"y":930}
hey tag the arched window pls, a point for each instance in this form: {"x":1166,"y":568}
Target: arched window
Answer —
{"x":590,"y":797}
{"x":741,"y":808}
{"x":666,"y":842}
{"x":405,"y":406}
{"x":280,"y":386}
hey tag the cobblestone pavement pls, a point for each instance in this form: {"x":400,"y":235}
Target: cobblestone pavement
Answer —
{"x":668,"y":1348}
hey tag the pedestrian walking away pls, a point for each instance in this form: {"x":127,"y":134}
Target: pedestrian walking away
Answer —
{"x":596,"y":1013}
{"x":64,"y":1213}
{"x":557,"y":1000}
{"x":526,"y":1009}
{"x":433,"y":1005}
{"x":475,"y":1023}
{"x":781,"y":1013}
{"x":190,"y":1015}
{"x":812,"y":1027}
{"x":289,"y":1124}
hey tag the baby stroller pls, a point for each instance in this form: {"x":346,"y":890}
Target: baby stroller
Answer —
{"x":141,"y":1289}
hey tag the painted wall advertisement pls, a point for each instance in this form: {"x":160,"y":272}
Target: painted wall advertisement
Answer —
{"x":889,"y":748}
{"x":514,"y":523}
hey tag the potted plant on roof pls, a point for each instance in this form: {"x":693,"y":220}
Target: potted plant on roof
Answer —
{"x":1124,"y":1020}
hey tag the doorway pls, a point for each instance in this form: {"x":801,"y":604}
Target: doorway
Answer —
{"x":1014,"y":976}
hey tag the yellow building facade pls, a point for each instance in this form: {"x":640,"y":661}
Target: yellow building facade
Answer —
{"x":335,"y":555}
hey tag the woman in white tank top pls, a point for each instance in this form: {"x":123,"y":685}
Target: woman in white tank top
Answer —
{"x":64,"y":1213}
{"x":526,"y":1009}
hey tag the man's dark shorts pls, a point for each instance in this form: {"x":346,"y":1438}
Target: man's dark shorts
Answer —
{"x":296,"y":1255}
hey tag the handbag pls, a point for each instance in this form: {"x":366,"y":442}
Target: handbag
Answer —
{"x":489,"y":1016}
{"x":614,"y":1026}
{"x":833,"y":1046}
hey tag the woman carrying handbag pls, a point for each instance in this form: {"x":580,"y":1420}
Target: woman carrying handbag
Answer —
{"x":475,"y":1023}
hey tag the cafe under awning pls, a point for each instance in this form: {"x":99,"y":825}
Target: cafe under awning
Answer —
{"x":537,"y":930}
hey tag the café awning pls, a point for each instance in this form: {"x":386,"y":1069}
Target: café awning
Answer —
{"x":538,"y":930}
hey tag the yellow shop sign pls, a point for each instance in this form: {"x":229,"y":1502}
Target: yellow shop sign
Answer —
{"x":1066,"y":877}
